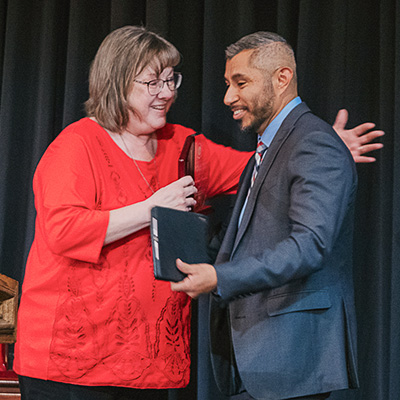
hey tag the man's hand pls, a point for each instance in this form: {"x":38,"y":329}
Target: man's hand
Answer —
{"x":201,"y":278}
{"x":357,"y":139}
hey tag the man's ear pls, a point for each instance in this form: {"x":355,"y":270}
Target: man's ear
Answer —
{"x":283,"y":76}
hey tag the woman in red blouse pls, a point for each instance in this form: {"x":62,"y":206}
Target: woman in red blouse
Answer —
{"x":93,"y":322}
{"x":92,"y":316}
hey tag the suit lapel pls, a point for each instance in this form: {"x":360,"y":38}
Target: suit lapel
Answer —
{"x":231,"y":232}
{"x":280,"y":137}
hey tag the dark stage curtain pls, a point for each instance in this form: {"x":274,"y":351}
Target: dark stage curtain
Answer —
{"x":348,"y":54}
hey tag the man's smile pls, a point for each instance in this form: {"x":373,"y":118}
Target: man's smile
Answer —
{"x":238,"y":112}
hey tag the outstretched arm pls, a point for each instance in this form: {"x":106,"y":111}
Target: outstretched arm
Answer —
{"x":358,"y":139}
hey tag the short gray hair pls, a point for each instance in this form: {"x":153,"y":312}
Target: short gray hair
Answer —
{"x":268,"y":48}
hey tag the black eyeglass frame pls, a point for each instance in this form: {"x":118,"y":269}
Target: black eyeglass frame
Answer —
{"x":158,"y":84}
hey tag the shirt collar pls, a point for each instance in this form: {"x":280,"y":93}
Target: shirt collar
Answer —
{"x":270,"y":131}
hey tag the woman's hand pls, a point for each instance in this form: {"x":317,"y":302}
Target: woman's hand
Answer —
{"x":177,"y":195}
{"x":127,"y":220}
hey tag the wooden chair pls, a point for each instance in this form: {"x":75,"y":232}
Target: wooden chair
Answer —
{"x":9,"y":387}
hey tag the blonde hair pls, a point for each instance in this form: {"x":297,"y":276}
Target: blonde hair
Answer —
{"x":123,"y":55}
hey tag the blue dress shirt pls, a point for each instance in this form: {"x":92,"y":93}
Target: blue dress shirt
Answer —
{"x":270,"y":132}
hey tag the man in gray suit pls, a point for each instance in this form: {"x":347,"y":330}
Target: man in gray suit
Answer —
{"x":282,"y":321}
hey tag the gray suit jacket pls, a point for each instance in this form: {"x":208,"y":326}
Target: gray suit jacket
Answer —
{"x":285,"y":318}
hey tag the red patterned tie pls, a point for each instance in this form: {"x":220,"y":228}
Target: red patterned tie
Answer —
{"x":260,"y":151}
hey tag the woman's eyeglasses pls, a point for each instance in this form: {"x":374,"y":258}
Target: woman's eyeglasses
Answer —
{"x":155,"y":86}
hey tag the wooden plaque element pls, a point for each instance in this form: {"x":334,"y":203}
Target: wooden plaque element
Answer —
{"x":191,"y":163}
{"x":186,"y":162}
{"x":8,"y":309}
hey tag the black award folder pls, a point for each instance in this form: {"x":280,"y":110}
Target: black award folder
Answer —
{"x":177,"y":234}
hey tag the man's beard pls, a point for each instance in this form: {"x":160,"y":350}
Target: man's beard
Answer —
{"x":262,"y":110}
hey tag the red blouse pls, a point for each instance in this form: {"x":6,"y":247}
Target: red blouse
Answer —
{"x":95,"y":315}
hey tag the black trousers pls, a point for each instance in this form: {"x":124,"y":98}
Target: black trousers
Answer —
{"x":38,"y":389}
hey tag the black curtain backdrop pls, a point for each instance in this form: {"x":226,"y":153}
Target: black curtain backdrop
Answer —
{"x":348,"y":54}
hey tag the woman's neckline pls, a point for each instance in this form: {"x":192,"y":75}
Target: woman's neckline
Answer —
{"x":123,"y":150}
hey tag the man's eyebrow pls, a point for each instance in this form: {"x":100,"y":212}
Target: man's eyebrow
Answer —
{"x":237,"y":77}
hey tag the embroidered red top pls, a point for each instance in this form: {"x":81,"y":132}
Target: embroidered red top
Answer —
{"x":95,"y":315}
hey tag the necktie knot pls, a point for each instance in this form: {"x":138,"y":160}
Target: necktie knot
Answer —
{"x":261,"y":147}
{"x":260,"y":150}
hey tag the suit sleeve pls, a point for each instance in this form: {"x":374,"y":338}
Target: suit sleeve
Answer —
{"x":321,"y":184}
